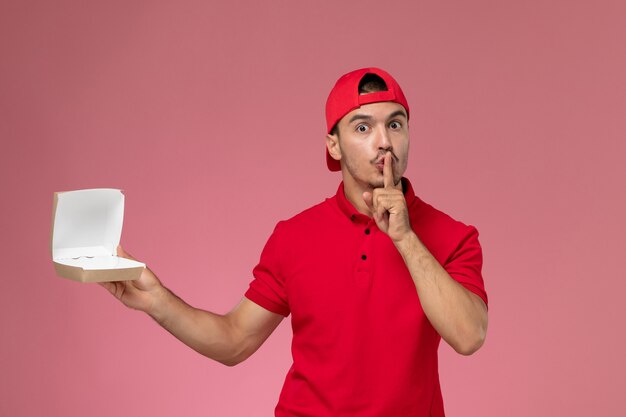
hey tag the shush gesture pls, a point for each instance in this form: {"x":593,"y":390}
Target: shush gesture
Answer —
{"x":388,"y":205}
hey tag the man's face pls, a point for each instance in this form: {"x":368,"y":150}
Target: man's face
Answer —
{"x":364,"y":136}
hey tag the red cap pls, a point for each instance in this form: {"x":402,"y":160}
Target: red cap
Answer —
{"x":345,"y":97}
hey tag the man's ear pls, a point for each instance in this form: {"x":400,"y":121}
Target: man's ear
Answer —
{"x":332,"y":144}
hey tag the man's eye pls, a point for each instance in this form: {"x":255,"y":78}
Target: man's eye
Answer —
{"x":395,"y":125}
{"x":361,"y":128}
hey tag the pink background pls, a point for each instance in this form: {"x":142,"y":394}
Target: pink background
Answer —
{"x":210,"y":117}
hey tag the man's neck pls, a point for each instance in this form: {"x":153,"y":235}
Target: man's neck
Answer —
{"x":354,"y":194}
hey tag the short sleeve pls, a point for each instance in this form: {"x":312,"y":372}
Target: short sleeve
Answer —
{"x":465,"y":264}
{"x":267,"y":289}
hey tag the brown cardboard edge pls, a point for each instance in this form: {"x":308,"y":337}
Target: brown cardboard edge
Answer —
{"x":97,"y":275}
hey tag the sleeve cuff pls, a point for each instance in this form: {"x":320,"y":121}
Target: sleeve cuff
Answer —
{"x":266,"y":303}
{"x":476,"y":291}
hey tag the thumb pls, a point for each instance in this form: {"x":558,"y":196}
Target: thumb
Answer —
{"x":123,"y":254}
{"x":367,"y":197}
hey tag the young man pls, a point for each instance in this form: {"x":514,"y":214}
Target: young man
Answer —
{"x":373,"y":277}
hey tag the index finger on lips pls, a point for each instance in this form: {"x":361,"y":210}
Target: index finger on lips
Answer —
{"x":388,"y":171}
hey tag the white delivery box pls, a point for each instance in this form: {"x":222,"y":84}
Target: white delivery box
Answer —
{"x":86,"y":230}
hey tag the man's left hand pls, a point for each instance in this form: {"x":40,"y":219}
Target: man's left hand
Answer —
{"x":388,"y":205}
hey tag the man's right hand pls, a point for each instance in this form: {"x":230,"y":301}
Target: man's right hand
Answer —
{"x":140,"y":294}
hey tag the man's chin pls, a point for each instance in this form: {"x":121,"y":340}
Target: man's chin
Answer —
{"x":377,"y":184}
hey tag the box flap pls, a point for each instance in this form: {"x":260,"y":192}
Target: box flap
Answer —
{"x":87,"y":223}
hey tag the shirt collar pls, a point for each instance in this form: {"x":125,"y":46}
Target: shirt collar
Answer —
{"x":351,"y":213}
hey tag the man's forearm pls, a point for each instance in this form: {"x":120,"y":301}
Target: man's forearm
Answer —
{"x":458,"y":315}
{"x":207,"y":333}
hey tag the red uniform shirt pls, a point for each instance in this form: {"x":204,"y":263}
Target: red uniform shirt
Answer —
{"x":362,"y":345}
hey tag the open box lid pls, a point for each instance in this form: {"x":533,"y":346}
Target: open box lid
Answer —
{"x":86,"y":230}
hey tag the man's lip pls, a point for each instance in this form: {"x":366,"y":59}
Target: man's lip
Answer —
{"x":381,"y":159}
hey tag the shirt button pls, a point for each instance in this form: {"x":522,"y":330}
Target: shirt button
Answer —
{"x":367,"y":231}
{"x":363,"y":257}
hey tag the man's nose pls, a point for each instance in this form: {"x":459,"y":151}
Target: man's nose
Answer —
{"x":384,"y":142}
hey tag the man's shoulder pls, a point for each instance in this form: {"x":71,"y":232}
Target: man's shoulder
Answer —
{"x":440,"y":225}
{"x":426,"y":211}
{"x":442,"y":234}
{"x":316,"y":215}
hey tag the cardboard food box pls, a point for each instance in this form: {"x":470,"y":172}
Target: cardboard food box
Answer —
{"x":86,"y":230}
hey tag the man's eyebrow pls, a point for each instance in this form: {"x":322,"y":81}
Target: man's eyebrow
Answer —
{"x":359,"y":117}
{"x":367,"y":117}
{"x":398,"y":113}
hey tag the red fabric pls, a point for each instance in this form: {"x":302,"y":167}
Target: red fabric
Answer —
{"x":362,"y":345}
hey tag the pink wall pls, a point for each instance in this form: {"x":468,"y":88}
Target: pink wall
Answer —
{"x":210,"y":117}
